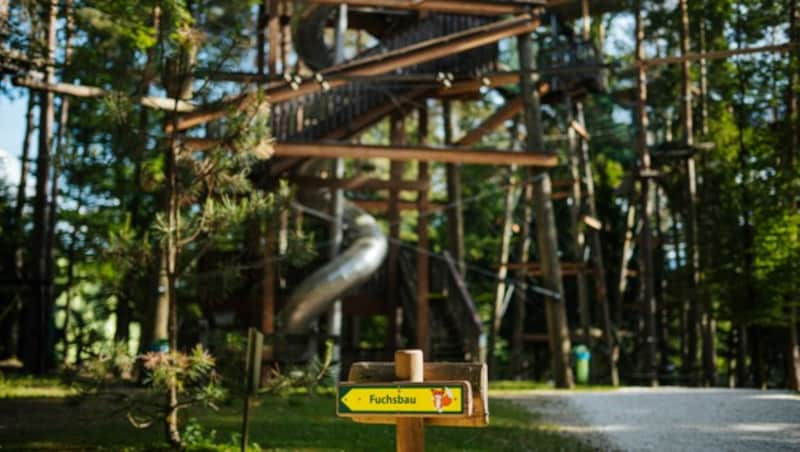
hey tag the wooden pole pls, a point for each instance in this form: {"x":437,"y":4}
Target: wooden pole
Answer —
{"x":410,"y":434}
{"x":627,"y":245}
{"x":646,"y":252}
{"x":505,"y":248}
{"x":268,"y":296}
{"x":273,"y":35}
{"x":578,"y":235}
{"x":546,"y":232}
{"x":455,"y":213}
{"x":397,"y":125}
{"x":601,"y":289}
{"x":337,"y":211}
{"x":693,"y":315}
{"x":423,"y":315}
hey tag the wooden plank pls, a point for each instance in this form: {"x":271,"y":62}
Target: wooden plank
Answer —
{"x":475,"y":374}
{"x":558,"y":195}
{"x":592,"y":222}
{"x":382,"y":205}
{"x":512,"y":108}
{"x":474,"y":85}
{"x":357,"y":151}
{"x":360,"y":183}
{"x":577,"y":127}
{"x":534,"y":269}
{"x":85,"y":91}
{"x":472,"y":7}
{"x":394,"y":153}
{"x":718,"y":54}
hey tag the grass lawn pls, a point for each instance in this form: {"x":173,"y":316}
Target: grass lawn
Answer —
{"x":296,"y":422}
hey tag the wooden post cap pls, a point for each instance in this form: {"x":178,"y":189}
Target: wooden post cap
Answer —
{"x":409,"y":365}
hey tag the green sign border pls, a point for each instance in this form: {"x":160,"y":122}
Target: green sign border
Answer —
{"x":344,"y":388}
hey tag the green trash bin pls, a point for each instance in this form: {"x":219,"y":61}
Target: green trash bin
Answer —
{"x":582,"y":358}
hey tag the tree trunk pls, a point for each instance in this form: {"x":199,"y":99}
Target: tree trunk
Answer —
{"x":547,"y":241}
{"x":12,"y":326}
{"x":742,"y":374}
{"x":792,"y":353}
{"x":646,"y":251}
{"x":757,"y":352}
{"x":60,"y":149}
{"x":38,"y":350}
{"x":171,"y":421}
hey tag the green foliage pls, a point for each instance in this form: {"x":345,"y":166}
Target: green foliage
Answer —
{"x":309,"y":376}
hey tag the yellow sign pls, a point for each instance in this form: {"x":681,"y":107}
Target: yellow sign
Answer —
{"x":449,"y":398}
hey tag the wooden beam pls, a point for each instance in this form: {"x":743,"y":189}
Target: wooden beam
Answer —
{"x":403,"y":154}
{"x":498,"y":118}
{"x":381,"y":63}
{"x":357,"y":151}
{"x":592,"y":222}
{"x":717,"y":54}
{"x":534,"y":269}
{"x":382,"y":205}
{"x":474,"y":85}
{"x":577,"y":127}
{"x":472,"y":7}
{"x":158,"y":103}
{"x":511,"y":108}
{"x":360,"y":183}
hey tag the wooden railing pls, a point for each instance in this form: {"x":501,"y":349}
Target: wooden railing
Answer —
{"x":454,"y":317}
{"x":463,"y":308}
{"x":312,"y":116}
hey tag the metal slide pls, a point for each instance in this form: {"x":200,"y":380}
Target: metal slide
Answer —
{"x":350,"y":269}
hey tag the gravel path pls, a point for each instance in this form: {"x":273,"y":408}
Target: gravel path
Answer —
{"x":674,"y":419}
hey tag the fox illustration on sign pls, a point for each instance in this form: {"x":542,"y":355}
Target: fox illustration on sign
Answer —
{"x":442,"y":398}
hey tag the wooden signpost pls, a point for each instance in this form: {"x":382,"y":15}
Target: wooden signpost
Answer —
{"x":411,"y":394}
{"x":252,"y":372}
